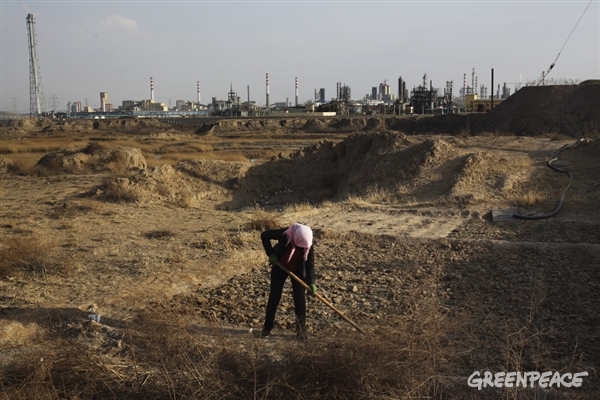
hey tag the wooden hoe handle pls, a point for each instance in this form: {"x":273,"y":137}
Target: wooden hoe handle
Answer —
{"x":318,"y":296}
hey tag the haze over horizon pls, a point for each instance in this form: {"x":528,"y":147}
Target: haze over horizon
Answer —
{"x":88,"y":47}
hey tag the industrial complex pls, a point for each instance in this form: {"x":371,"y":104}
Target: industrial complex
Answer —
{"x":424,"y":98}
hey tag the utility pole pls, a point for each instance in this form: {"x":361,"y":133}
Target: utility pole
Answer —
{"x":36,"y":92}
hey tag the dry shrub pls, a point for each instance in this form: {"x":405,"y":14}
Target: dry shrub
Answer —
{"x":532,"y":197}
{"x":187,"y":199}
{"x":220,"y":240}
{"x":32,"y":254}
{"x":71,"y":209}
{"x":374,"y":195}
{"x":298,"y":207}
{"x":119,"y":166}
{"x":119,"y":190}
{"x":94,"y":148}
{"x":21,"y":168}
{"x":160,"y":234}
{"x":263,"y":220}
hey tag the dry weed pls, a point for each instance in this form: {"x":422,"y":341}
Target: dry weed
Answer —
{"x":160,"y":234}
{"x":374,"y":195}
{"x":71,"y":209}
{"x":119,"y":190}
{"x":263,"y":220}
{"x":221,"y":240}
{"x":299,"y":207}
{"x":31,"y":254}
{"x":187,"y":199}
{"x":532,"y":197}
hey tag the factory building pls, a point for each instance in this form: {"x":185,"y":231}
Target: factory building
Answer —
{"x":425,"y":99}
{"x":475,"y":104}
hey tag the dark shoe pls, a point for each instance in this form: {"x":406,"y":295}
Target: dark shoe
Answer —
{"x":265,"y":333}
{"x":301,"y":328}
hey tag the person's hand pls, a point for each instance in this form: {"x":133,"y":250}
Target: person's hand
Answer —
{"x":313,"y":289}
{"x":273,"y":259}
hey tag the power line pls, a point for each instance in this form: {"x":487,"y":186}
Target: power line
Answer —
{"x":561,"y":49}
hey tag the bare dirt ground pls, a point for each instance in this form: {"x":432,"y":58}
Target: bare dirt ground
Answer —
{"x":157,"y":231}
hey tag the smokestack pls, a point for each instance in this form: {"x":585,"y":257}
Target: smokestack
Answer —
{"x":400,"y":91}
{"x":492,"y":86}
{"x":473,"y":81}
{"x":198,"y":90}
{"x":151,"y":89}
{"x":296,"y":91}
{"x":476,"y":85}
{"x":267,"y":90}
{"x":464,"y":85}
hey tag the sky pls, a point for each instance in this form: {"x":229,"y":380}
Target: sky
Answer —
{"x":88,"y":47}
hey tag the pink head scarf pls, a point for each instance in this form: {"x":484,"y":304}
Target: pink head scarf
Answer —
{"x":300,"y":236}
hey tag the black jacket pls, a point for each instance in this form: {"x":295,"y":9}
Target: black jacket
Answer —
{"x":307,"y":267}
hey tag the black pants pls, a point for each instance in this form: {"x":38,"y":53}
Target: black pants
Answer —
{"x":278,"y":277}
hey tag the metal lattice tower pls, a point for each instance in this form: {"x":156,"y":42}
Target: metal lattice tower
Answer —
{"x":37,"y":103}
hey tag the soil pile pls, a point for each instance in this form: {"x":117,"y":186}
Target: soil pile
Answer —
{"x":92,"y":158}
{"x":363,"y":164}
{"x":31,"y":126}
{"x":386,"y":168}
{"x":190,"y":184}
{"x":570,"y":110}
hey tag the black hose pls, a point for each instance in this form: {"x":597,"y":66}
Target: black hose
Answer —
{"x":562,"y":197}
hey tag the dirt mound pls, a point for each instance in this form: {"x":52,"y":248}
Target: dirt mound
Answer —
{"x":216,"y":171}
{"x":31,"y":126}
{"x":538,"y":110}
{"x":314,"y":125}
{"x":5,"y":165}
{"x":190,"y":184}
{"x":484,"y":176}
{"x":363,"y":164}
{"x":92,"y":158}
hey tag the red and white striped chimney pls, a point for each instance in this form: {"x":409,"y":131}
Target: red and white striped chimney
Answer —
{"x":198,"y":85}
{"x":151,"y":89}
{"x":296,"y":91}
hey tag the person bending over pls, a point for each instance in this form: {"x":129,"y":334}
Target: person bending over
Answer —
{"x":294,"y":250}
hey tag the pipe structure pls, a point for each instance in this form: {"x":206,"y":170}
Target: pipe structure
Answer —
{"x":198,"y":91}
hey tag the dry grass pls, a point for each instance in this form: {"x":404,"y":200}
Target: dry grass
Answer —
{"x":119,"y":190}
{"x":532,"y":197}
{"x":262,"y":220}
{"x":187,"y":199}
{"x":299,"y":207}
{"x":375,"y":195}
{"x":160,"y":234}
{"x":31,"y":254}
{"x":71,"y":209}
{"x":176,"y":363}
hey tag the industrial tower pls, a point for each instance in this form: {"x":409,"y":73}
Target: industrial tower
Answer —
{"x":36,"y":91}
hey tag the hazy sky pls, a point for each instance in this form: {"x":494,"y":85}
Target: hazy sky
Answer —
{"x":88,"y":47}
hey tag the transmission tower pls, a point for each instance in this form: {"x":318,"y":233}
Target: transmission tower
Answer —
{"x":37,"y":103}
